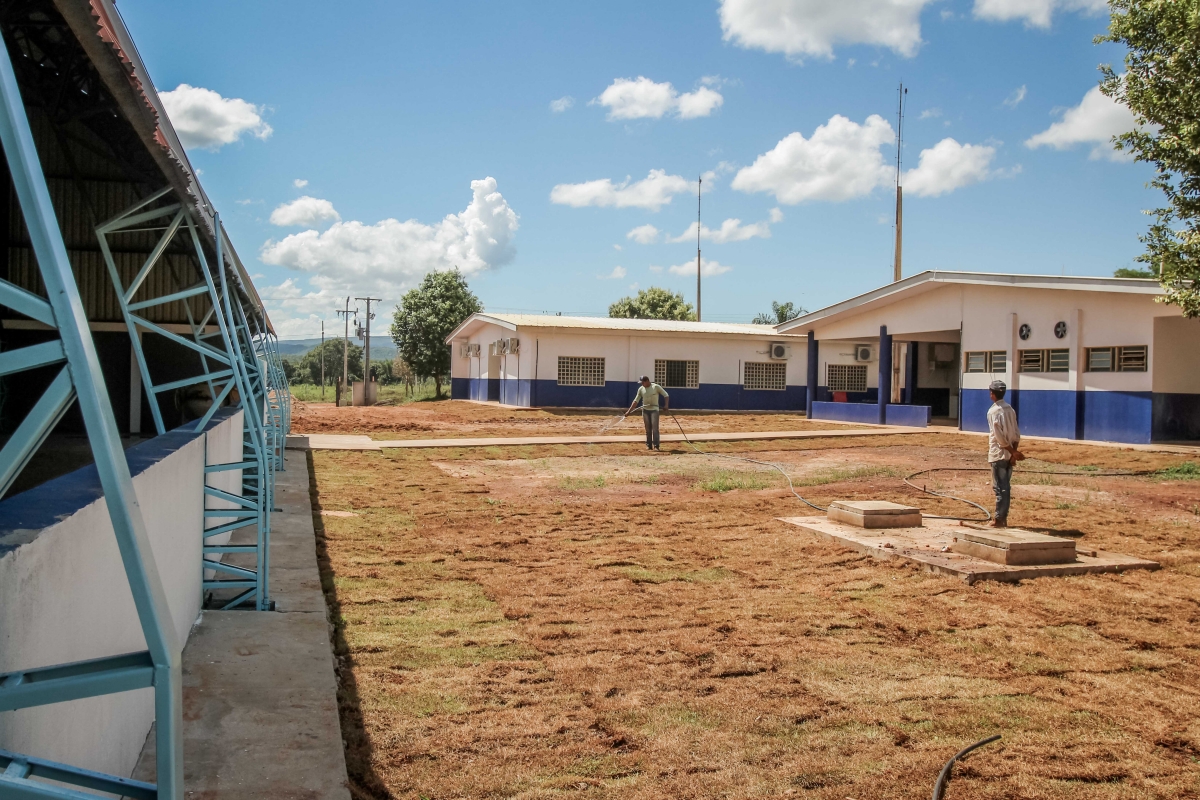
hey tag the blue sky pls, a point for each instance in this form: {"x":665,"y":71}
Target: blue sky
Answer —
{"x":397,"y":115}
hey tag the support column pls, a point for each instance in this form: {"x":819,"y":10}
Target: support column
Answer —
{"x":1011,"y":377}
{"x":135,"y":390}
{"x":885,"y":372}
{"x":814,"y":373}
{"x":910,"y":371}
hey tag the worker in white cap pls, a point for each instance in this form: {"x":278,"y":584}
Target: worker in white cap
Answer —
{"x":1003,"y":438}
{"x":648,"y":394}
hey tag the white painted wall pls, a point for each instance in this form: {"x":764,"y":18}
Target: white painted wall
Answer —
{"x":64,"y":598}
{"x":1176,"y":355}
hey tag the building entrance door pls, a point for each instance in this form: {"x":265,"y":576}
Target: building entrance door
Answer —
{"x":493,"y":378}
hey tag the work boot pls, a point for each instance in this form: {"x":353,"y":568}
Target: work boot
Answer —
{"x":998,"y":522}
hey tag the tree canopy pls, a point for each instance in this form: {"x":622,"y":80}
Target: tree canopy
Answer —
{"x":653,"y":303}
{"x":1162,"y":73}
{"x":1133,"y":272}
{"x":426,"y":316}
{"x":780,"y":313}
{"x":310,"y":364}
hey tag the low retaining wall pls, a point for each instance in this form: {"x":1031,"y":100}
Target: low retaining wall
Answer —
{"x":912,"y":416}
{"x":64,"y":596}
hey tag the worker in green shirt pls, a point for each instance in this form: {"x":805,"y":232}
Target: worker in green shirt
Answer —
{"x":648,"y":394}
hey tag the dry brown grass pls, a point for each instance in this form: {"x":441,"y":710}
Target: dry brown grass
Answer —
{"x":510,"y":626}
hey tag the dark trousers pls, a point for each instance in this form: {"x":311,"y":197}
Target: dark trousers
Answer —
{"x":650,"y":420}
{"x":1002,"y":486}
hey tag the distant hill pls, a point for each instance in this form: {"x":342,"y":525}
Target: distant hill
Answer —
{"x":382,"y":347}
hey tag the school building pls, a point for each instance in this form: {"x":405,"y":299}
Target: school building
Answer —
{"x":1084,"y":358}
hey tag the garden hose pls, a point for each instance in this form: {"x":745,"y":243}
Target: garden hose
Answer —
{"x":944,"y":776}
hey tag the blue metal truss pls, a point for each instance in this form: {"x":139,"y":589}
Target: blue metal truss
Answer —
{"x":80,"y":378}
{"x":230,"y":364}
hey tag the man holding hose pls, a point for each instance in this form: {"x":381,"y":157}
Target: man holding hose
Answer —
{"x":648,"y":394}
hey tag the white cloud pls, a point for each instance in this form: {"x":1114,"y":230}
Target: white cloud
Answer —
{"x":707,"y":268}
{"x":1035,"y":13}
{"x":305,"y":211}
{"x":642,"y":98}
{"x":1014,"y":99}
{"x":205,"y":119}
{"x":652,"y":192}
{"x":1094,"y":121}
{"x":299,"y":183}
{"x":643,"y":234}
{"x":841,"y":161}
{"x":618,"y":248}
{"x":775,"y":215}
{"x":799,"y":28}
{"x":562,"y":104}
{"x":388,"y":257}
{"x":617,"y":274}
{"x":731,"y":230}
{"x":947,"y":166}
{"x":931,"y":113}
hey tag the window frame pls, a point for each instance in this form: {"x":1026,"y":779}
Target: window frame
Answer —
{"x":845,"y":369}
{"x":583,"y":365}
{"x":1119,"y":358}
{"x":994,"y":361}
{"x":691,"y":373}
{"x":765,"y":368}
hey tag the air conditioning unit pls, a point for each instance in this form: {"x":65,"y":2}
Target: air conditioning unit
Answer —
{"x":464,"y":350}
{"x":778,"y":351}
{"x":469,"y":350}
{"x":500,"y":347}
{"x":513,"y":346}
{"x":862,"y":352}
{"x":474,"y":349}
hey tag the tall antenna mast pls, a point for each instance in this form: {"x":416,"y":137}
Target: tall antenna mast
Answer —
{"x":699,"y":186}
{"x":899,"y":189}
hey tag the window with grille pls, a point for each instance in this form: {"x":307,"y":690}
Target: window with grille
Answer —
{"x":846,"y":377}
{"x":765,"y":375}
{"x":987,"y":361}
{"x":1045,"y":360}
{"x":677,"y":374}
{"x":1032,"y":360}
{"x":580,"y":371}
{"x":1117,"y":359}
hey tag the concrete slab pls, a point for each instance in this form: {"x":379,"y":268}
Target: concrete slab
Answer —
{"x":930,"y":546}
{"x":316,"y":441}
{"x":874,"y":514}
{"x":330,"y":441}
{"x":260,"y":696}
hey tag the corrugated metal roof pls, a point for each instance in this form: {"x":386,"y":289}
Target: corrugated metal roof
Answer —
{"x":513,"y":321}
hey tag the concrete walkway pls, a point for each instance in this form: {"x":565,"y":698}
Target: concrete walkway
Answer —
{"x":320,"y":441}
{"x":260,"y":715}
{"x":327,"y":441}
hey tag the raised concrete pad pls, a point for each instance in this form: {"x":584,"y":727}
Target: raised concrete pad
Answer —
{"x":330,"y":441}
{"x":930,"y":546}
{"x":1015,"y":546}
{"x":260,"y":715}
{"x":874,"y":514}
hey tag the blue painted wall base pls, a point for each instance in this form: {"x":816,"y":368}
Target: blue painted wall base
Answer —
{"x":619,"y":394}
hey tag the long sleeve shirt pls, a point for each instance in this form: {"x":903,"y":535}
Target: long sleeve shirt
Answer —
{"x":1002,"y":431}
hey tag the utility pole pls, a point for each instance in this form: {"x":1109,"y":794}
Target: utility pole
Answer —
{"x":367,"y":349}
{"x":899,"y":189}
{"x":699,"y":187}
{"x":322,"y":361}
{"x":345,"y":355}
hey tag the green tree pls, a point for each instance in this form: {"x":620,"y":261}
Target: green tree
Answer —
{"x":310,"y":363}
{"x":426,"y":316}
{"x":780,"y":313}
{"x":1159,"y":85}
{"x":1133,"y":272}
{"x":653,"y":303}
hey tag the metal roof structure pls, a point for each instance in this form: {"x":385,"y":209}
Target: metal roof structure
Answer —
{"x":933,"y":279}
{"x":610,"y":324}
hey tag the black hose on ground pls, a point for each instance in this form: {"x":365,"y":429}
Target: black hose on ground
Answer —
{"x":944,"y":776}
{"x":987,"y":515}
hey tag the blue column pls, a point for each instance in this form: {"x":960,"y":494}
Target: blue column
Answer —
{"x":910,"y":372}
{"x":885,"y":372}
{"x":810,"y":389}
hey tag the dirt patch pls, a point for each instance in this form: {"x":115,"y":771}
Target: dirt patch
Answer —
{"x":526,"y":622}
{"x":456,"y":418}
